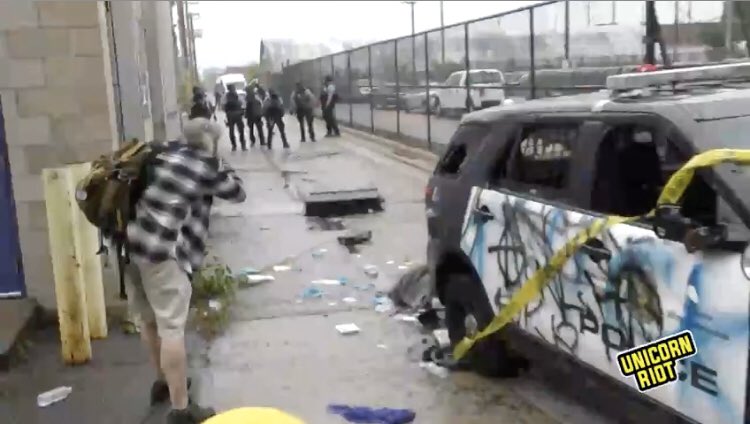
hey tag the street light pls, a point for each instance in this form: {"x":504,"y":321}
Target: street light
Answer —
{"x":413,"y":40}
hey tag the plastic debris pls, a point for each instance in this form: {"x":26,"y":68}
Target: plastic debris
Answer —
{"x":332,"y":303}
{"x":442,"y":338}
{"x":391,"y":262}
{"x":406,"y":318}
{"x":247,"y":271}
{"x":312,"y":293}
{"x":434,"y":369}
{"x":328,"y":282}
{"x":258,"y":279}
{"x":365,"y":287}
{"x":319,"y":253}
{"x":371,"y":271}
{"x":344,"y":281}
{"x":363,"y":414}
{"x":382,"y":304}
{"x":382,"y":346}
{"x":349,"y":300}
{"x":347,"y":329}
{"x":414,"y":290}
{"x":281,"y":268}
{"x":352,"y":239}
{"x":53,"y":396}
{"x":403,"y":267}
{"x":214,"y":304}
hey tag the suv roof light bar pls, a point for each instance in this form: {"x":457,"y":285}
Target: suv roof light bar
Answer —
{"x":634,"y":81}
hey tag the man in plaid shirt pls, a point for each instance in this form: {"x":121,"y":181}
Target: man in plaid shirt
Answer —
{"x":167,"y":242}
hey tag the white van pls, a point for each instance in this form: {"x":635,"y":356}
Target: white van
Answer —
{"x":223,"y":83}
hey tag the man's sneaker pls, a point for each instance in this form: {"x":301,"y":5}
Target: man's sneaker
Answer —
{"x":193,"y":414}
{"x":303,"y":140}
{"x":160,"y":391}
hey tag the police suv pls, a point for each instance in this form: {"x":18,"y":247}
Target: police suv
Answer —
{"x":519,"y":181}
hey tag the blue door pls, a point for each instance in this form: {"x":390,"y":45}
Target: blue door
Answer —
{"x":11,"y":265}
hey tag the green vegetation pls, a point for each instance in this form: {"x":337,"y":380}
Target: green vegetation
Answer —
{"x":214,"y":290}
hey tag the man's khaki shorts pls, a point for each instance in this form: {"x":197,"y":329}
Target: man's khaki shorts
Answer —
{"x":159,"y":293}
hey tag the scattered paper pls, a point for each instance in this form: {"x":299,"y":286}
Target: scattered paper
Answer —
{"x":349,"y":300}
{"x":371,"y":271}
{"x":281,"y":268}
{"x":326,"y":282}
{"x":214,"y":304}
{"x":390,"y":262}
{"x":405,"y":318}
{"x":346,"y":329}
{"x":403,"y":267}
{"x":257,"y":278}
{"x":332,"y":303}
{"x":382,"y":346}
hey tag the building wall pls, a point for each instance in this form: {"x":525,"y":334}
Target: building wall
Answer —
{"x":56,"y":89}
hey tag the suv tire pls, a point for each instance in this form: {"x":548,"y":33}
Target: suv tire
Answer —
{"x":491,"y":357}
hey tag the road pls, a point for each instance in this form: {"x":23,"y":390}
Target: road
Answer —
{"x":281,"y":349}
{"x":413,"y":125}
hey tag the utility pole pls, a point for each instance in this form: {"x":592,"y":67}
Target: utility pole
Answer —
{"x":653,"y":36}
{"x":442,"y":34}
{"x":193,"y":36}
{"x":729,"y":20}
{"x":413,"y":40}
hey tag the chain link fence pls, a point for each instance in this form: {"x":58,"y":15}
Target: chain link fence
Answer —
{"x":416,"y":88}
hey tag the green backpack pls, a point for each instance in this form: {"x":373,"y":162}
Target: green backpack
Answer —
{"x":108,"y":194}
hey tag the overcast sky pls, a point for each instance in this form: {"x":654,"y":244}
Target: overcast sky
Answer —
{"x":232,"y":30}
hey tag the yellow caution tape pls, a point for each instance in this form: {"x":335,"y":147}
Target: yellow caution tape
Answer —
{"x":532,"y":288}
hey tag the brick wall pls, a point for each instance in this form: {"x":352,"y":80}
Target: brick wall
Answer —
{"x":56,"y":89}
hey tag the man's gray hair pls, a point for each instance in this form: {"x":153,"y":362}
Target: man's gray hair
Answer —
{"x":202,"y":133}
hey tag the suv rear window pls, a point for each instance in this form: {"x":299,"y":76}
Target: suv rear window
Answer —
{"x":542,"y":155}
{"x":464,"y":143}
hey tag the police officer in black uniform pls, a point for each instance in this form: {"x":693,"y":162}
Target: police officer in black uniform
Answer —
{"x":233,"y":109}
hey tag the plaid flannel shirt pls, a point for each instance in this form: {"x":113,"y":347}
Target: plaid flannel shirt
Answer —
{"x":171,"y":219}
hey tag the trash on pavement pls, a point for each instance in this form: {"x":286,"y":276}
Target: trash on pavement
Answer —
{"x":442,"y":338}
{"x":390,"y":262}
{"x":53,"y":396}
{"x":326,"y":282}
{"x":351,"y":240}
{"x":403,"y":267}
{"x":319,"y":253}
{"x":349,"y":300}
{"x":312,"y":293}
{"x":347,"y":329}
{"x":281,"y":268}
{"x":430,"y":319}
{"x":363,"y":414}
{"x":214,"y":304}
{"x":434,"y":369}
{"x":382,"y":346}
{"x":247,"y":271}
{"x":332,"y":303}
{"x":371,"y":271}
{"x":405,"y":318}
{"x":344,"y":281}
{"x":258,"y":279}
{"x":382,"y":304}
{"x":414,"y":290}
{"x":365,"y":287}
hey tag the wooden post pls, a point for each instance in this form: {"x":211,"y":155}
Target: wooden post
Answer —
{"x":69,"y":288}
{"x":87,"y":244}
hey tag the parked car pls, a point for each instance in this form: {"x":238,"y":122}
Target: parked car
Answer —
{"x":516,"y":183}
{"x":486,"y":90}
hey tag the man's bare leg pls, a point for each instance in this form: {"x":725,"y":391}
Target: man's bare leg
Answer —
{"x":174,"y":365}
{"x":151,"y":339}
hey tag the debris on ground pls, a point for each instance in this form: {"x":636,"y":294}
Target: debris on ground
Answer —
{"x":434,"y":369}
{"x":405,"y":318}
{"x":371,"y":271}
{"x":382,"y":303}
{"x":346,"y":329}
{"x":258,"y":279}
{"x":55,"y":395}
{"x":326,"y":282}
{"x":325,"y":224}
{"x":365,"y":287}
{"x":318,"y":253}
{"x":382,"y":346}
{"x":349,"y":300}
{"x":414,"y":290}
{"x":281,"y":268}
{"x":312,"y":293}
{"x":390,"y":262}
{"x":351,"y":240}
{"x":430,"y":319}
{"x":364,"y":415}
{"x":214,"y":304}
{"x":247,"y":271}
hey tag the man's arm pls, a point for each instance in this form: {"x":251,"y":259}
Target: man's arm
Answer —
{"x":227,"y":185}
{"x":292,"y":104}
{"x":330,"y":90}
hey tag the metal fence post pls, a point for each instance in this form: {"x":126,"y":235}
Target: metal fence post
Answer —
{"x":369,"y":79}
{"x":349,"y":89}
{"x":467,"y":65}
{"x":427,"y":91}
{"x":532,"y":61}
{"x":567,"y":32}
{"x":398,"y":87}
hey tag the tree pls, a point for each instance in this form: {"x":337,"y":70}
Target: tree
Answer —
{"x":253,"y":71}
